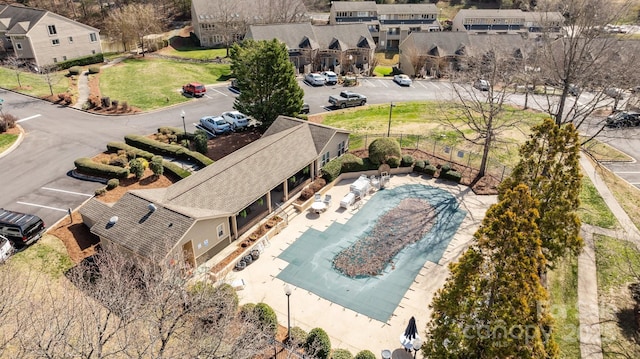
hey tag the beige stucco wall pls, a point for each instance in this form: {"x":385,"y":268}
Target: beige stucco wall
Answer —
{"x":203,"y":234}
{"x":81,"y":46}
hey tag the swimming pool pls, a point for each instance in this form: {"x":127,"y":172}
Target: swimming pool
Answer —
{"x":311,"y":256}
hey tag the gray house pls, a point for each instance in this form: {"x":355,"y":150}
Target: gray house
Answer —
{"x":509,"y":21}
{"x":44,"y":38}
{"x":197,"y":217}
{"x":347,"y":47}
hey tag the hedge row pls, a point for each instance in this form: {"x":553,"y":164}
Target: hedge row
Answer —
{"x":160,"y":148}
{"x":88,"y":166}
{"x":175,"y":169}
{"x":81,"y":61}
{"x":117,"y":146}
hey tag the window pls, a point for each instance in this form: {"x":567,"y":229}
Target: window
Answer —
{"x":93,"y":52}
{"x":18,"y":46}
{"x":55,"y":42}
{"x":220,"y":231}
{"x":71,"y":39}
{"x":55,"y":59}
{"x":93,"y":37}
{"x":64,"y":58}
{"x":341,"y":148}
{"x":52,"y":29}
{"x":325,"y":159}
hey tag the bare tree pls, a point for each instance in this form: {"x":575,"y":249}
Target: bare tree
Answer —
{"x":14,"y":295}
{"x":49,"y":74}
{"x":16,"y":65}
{"x":134,"y":22}
{"x":230,"y":24}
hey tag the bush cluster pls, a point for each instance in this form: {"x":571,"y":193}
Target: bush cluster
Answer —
{"x":112,"y":183}
{"x":175,"y":169}
{"x":7,"y":121}
{"x":81,"y":61}
{"x":407,"y":161}
{"x":314,"y":187}
{"x":365,"y":354}
{"x":88,"y":166}
{"x":341,"y":354}
{"x":156,"y":165}
{"x":331,"y":170}
{"x":74,"y":70}
{"x":131,"y":151}
{"x":393,"y":161}
{"x":451,"y":175}
{"x":318,"y":344}
{"x":267,"y":317}
{"x":383,"y":148}
{"x":94,"y":69}
{"x":160,"y":148}
{"x":352,"y":163}
{"x":424,"y":167}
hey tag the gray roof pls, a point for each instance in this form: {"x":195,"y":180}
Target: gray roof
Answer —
{"x":353,"y":6}
{"x":507,"y":44}
{"x":390,"y":9}
{"x":438,"y":43}
{"x":18,"y":20}
{"x":543,"y":16}
{"x":94,"y":208}
{"x":142,"y":231}
{"x":349,"y":36}
{"x":490,"y":13}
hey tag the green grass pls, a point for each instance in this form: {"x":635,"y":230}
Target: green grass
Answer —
{"x":627,"y":195}
{"x":157,"y":82}
{"x":383,"y":71}
{"x":602,"y":152}
{"x":617,"y":261}
{"x":6,"y":140}
{"x":34,"y":84}
{"x":563,"y":289}
{"x":195,"y":53}
{"x":48,"y":256}
{"x":593,"y":210}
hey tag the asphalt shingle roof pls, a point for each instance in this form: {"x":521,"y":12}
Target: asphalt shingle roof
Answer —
{"x":18,"y":20}
{"x":349,"y":36}
{"x":353,"y":5}
{"x":392,"y":9}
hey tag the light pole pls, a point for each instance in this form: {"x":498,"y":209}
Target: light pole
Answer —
{"x":417,"y":344}
{"x":184,"y":125}
{"x":287,"y":291}
{"x":390,"y":112}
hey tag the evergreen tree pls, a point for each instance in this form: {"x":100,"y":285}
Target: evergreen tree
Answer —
{"x":266,"y":80}
{"x":492,"y":304}
{"x":550,"y":167}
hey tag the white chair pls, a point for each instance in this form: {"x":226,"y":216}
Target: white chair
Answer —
{"x":327,"y":199}
{"x":318,"y":197}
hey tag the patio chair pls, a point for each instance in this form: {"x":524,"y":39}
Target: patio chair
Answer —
{"x":318,"y":197}
{"x":327,"y":199}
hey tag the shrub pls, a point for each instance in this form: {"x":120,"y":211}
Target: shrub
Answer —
{"x":445,"y":169}
{"x":175,"y":169}
{"x":407,"y":161}
{"x":94,"y":69}
{"x":430,"y":170}
{"x":306,"y":193}
{"x":3,"y":126}
{"x":331,"y":170}
{"x":112,"y":183}
{"x":365,"y":354}
{"x":130,"y":151}
{"x":100,"y":191}
{"x":419,"y":166}
{"x":267,"y":317}
{"x":160,"y":148}
{"x":318,"y":344}
{"x":120,"y":161}
{"x":298,"y":336}
{"x":393,"y":161}
{"x":88,"y":166}
{"x":145,"y":163}
{"x":341,"y":354}
{"x":9,"y":120}
{"x":452,"y":176}
{"x":317,"y":184}
{"x":81,"y":61}
{"x":136,"y":167}
{"x":200,"y":142}
{"x":74,"y":70}
{"x":351,"y":163}
{"x":383,"y":148}
{"x":156,"y":165}
{"x":247,"y":310}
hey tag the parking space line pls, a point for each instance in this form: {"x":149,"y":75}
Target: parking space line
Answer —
{"x":69,"y":192}
{"x":421,"y":84}
{"x":631,"y":172}
{"x":28,"y":118}
{"x":41,"y":206}
{"x":220,"y":92}
{"x":383,"y":83}
{"x":434,"y":85}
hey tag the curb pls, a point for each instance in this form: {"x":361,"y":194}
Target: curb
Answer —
{"x":15,"y":144}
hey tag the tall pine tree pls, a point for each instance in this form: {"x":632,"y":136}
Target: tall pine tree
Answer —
{"x":549,"y":166}
{"x":492,"y":305}
{"x":266,"y":80}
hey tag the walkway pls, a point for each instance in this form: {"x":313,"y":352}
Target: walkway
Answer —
{"x":83,"y":83}
{"x":590,"y":336}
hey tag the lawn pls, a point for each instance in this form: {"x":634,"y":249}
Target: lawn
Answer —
{"x":593,"y":210}
{"x":197,"y":53}
{"x":627,"y":195}
{"x":563,"y":289}
{"x":618,"y":265}
{"x":35,"y":84}
{"x":602,"y":152}
{"x":6,"y":140}
{"x":160,"y":79}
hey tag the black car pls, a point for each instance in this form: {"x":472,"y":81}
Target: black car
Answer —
{"x":623,"y":119}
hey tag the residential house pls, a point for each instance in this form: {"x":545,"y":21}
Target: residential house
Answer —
{"x":196,"y":218}
{"x":441,"y":53}
{"x":389,"y":24}
{"x":218,"y":23}
{"x":43,"y":38}
{"x":341,"y":48}
{"x":510,"y":21}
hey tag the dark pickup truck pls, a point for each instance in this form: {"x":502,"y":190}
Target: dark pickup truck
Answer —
{"x":347,"y":99}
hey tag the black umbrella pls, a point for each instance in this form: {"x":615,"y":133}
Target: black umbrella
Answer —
{"x":412,"y":330}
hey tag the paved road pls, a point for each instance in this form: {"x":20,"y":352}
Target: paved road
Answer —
{"x":35,"y":176}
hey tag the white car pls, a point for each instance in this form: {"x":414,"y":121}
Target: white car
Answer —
{"x":6,"y":249}
{"x":314,"y":79}
{"x":236,"y":119}
{"x":482,"y":85}
{"x":402,"y":80}
{"x":330,"y":77}
{"x":216,"y":124}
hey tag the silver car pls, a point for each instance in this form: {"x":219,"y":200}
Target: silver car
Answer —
{"x":402,"y":80}
{"x":236,"y":119}
{"x":216,"y":124}
{"x":314,"y":79}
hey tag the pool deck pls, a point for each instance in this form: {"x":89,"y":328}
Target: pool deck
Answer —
{"x":346,"y":328}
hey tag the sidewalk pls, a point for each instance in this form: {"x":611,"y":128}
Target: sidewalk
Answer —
{"x":588,"y":306}
{"x":83,"y":83}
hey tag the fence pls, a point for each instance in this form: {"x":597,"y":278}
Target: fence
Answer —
{"x":441,"y":151}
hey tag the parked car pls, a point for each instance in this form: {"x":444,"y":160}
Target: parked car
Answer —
{"x":623,"y":119}
{"x":347,"y":99}
{"x":234,"y":86}
{"x":6,"y":249}
{"x":305,"y":108}
{"x":236,"y":119}
{"x":330,"y":77}
{"x":614,"y":92}
{"x":194,"y":89}
{"x":20,"y":229}
{"x":216,"y":124}
{"x":482,"y":85}
{"x":402,"y":80}
{"x":314,"y":79}
{"x":574,"y":90}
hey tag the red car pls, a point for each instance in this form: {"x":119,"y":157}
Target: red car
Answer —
{"x":194,"y":89}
